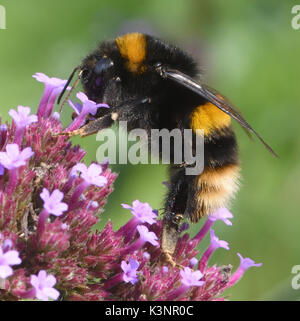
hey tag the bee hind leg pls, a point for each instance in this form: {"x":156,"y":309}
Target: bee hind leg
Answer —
{"x":170,"y":235}
{"x":175,"y":204}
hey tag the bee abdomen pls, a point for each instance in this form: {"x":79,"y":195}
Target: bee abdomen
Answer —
{"x":219,"y":181}
{"x":211,"y":190}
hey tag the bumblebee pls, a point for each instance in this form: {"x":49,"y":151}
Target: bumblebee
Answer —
{"x":153,"y":85}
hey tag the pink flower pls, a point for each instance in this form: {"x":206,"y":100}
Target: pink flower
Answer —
{"x":53,"y":203}
{"x":91,"y":175}
{"x":13,"y":158}
{"x":221,"y":214}
{"x":88,"y":107}
{"x":147,"y":236}
{"x":53,"y":86}
{"x":52,"y":82}
{"x":7,"y":259}
{"x":190,"y":277}
{"x":43,"y":285}
{"x":22,"y":117}
{"x":142,"y":212}
{"x":245,"y":264}
{"x":215,"y":243}
{"x":129,"y":270}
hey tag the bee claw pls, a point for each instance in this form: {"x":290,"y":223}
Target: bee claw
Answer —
{"x":168,"y":258}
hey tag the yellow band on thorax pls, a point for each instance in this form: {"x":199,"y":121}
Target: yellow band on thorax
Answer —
{"x":132,"y":47}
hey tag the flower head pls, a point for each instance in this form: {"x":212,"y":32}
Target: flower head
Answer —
{"x":147,"y":236}
{"x":22,"y":117}
{"x":53,"y":203}
{"x":216,"y":242}
{"x":13,"y":158}
{"x":7,"y":259}
{"x":92,"y":174}
{"x":221,"y":214}
{"x":142,"y":211}
{"x":43,"y":285}
{"x":129,"y":270}
{"x":190,"y":277}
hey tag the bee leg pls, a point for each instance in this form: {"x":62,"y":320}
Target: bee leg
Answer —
{"x":91,"y":127}
{"x":170,"y":237}
{"x":174,"y":205}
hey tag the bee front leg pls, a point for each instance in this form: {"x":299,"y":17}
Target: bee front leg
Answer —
{"x":92,"y":127}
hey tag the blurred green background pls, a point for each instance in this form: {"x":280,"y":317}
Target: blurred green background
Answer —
{"x":248,"y":51}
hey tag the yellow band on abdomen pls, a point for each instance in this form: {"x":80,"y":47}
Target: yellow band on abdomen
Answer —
{"x":209,"y":118}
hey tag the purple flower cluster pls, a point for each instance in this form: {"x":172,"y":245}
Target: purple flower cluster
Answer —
{"x":50,"y":200}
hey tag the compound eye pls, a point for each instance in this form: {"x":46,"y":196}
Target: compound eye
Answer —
{"x":102,"y":65}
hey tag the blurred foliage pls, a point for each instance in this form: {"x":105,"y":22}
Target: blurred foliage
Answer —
{"x":248,"y":51}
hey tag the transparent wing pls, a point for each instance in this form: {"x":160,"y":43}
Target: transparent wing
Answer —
{"x":212,"y":96}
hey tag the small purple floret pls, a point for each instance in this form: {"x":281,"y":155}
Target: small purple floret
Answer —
{"x":53,"y":203}
{"x":216,"y":242}
{"x":43,"y":285}
{"x":147,"y":236}
{"x":22,"y":117}
{"x":193,"y":262}
{"x":142,"y":211}
{"x":129,"y":270}
{"x":13,"y":158}
{"x":88,"y":105}
{"x":190,"y":277}
{"x":92,"y":174}
{"x":247,"y":263}
{"x":7,"y":259}
{"x":51,"y":81}
{"x":221,"y":214}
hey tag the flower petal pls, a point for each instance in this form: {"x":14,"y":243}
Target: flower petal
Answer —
{"x":51,"y":293}
{"x":12,"y":151}
{"x":82,"y":96}
{"x":5,"y":271}
{"x":12,"y":257}
{"x":45,"y":195}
